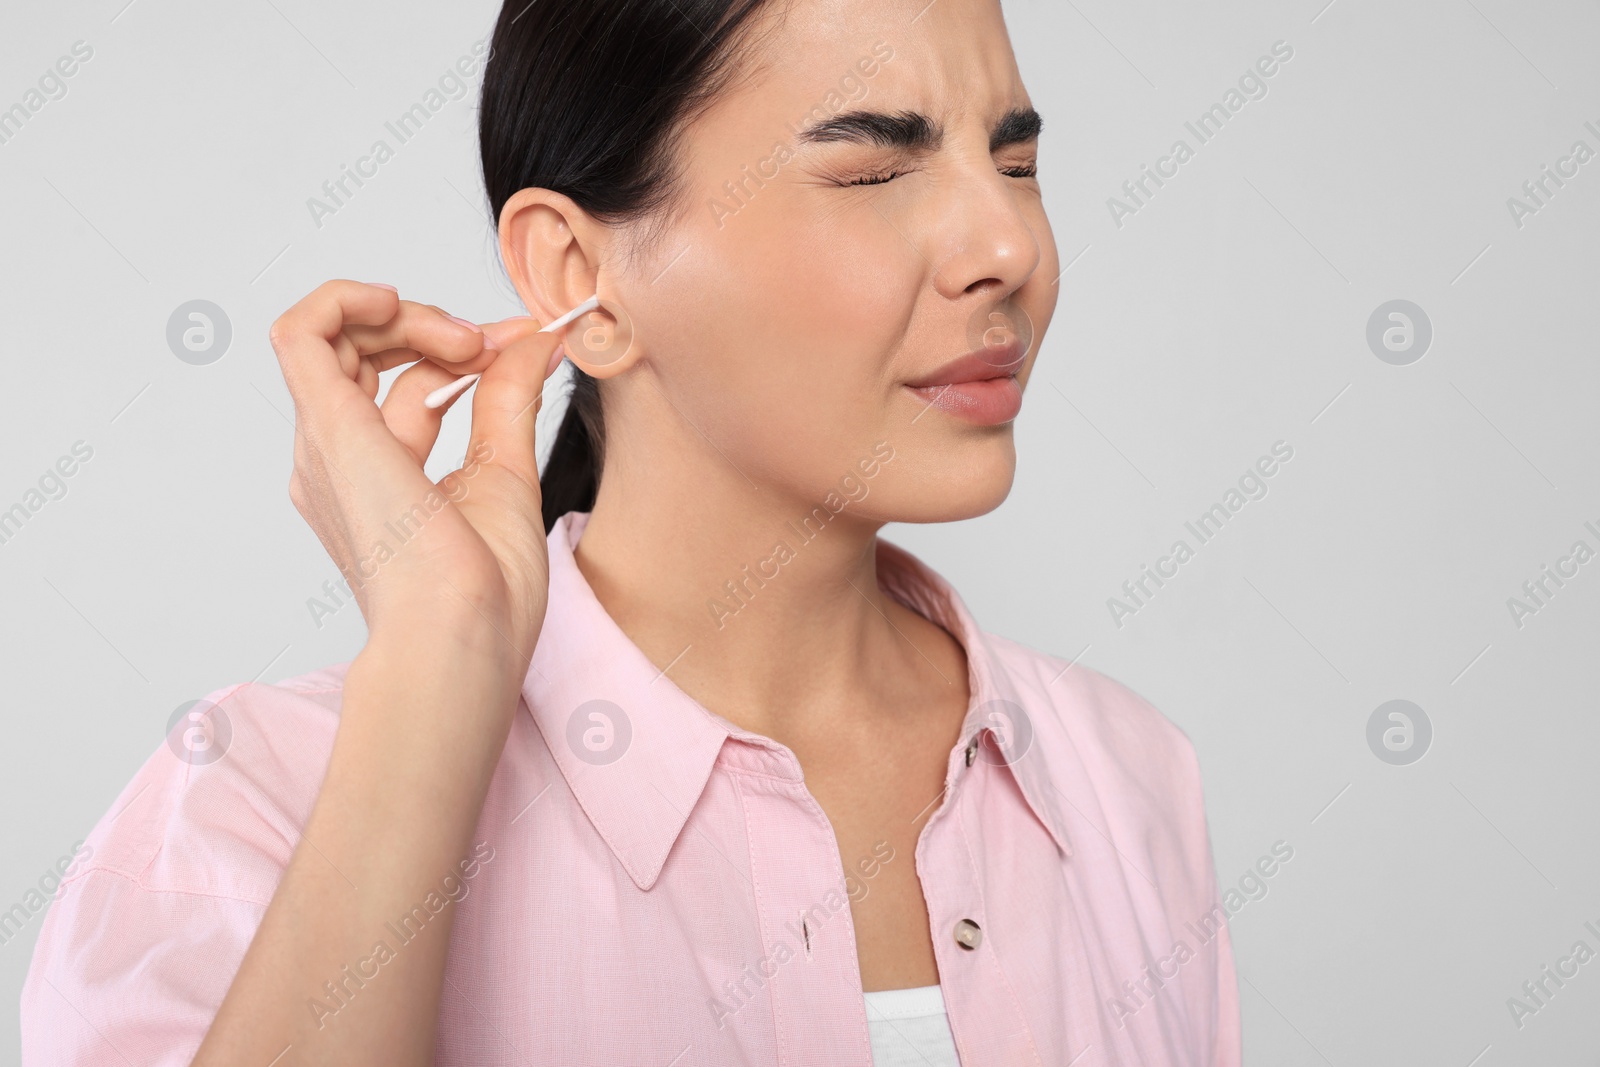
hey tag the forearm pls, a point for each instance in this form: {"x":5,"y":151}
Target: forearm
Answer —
{"x":420,"y":733}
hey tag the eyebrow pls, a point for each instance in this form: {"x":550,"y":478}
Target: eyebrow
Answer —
{"x":1017,"y":126}
{"x":913,"y":131}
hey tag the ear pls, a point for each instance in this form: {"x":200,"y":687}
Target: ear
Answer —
{"x":555,"y":253}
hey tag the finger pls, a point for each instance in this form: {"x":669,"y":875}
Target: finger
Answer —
{"x":367,"y":378}
{"x":500,"y":336}
{"x":413,"y":424}
{"x":428,"y":329}
{"x":416,"y":426}
{"x":303,"y":337}
{"x":505,"y":406}
{"x":507,"y":332}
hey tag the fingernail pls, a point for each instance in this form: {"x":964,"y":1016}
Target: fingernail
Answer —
{"x":555,"y":360}
{"x":474,"y":327}
{"x":384,"y":285}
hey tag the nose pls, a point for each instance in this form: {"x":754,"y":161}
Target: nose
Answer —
{"x":982,"y":241}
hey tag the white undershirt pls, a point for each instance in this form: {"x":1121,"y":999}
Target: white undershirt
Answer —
{"x":908,"y":1028}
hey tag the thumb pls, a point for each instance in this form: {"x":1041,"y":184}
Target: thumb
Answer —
{"x":506,"y":403}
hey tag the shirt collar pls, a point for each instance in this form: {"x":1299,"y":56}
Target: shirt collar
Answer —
{"x":637,"y":751}
{"x":994,"y":701}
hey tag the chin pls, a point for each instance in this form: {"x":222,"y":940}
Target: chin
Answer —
{"x":964,"y":487}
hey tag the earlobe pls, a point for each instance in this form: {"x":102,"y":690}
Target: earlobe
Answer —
{"x":601,"y":342}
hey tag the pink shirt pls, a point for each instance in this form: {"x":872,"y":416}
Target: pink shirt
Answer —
{"x":654,"y":885}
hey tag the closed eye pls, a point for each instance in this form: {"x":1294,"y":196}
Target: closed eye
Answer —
{"x":876,"y":179}
{"x":1030,"y":170}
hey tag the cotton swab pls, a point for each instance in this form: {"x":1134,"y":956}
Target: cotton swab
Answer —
{"x":441,"y":396}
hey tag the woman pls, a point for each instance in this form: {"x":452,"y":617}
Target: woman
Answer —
{"x":698,"y":771}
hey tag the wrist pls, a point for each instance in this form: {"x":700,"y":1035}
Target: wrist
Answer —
{"x":423,"y":707}
{"x":468,"y":654}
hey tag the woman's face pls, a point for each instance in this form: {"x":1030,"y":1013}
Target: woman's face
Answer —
{"x":858,"y":213}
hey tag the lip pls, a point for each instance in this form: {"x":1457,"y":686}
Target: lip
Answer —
{"x":997,"y":361}
{"x":980,"y":387}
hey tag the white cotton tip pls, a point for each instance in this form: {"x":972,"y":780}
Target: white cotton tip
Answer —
{"x":441,"y":396}
{"x":582,"y":309}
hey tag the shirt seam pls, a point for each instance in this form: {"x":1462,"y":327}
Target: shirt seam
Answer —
{"x":140,"y":884}
{"x":850,"y":928}
{"x":761,"y":920}
{"x":742,"y":773}
{"x":1016,"y":1003}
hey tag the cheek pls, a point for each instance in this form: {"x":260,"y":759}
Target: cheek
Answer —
{"x":797,"y":322}
{"x":837,"y":285}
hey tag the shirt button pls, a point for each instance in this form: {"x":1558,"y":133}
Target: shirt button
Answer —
{"x":968,"y":935}
{"x":972,"y":749}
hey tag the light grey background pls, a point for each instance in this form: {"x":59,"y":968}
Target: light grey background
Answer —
{"x":1227,"y":314}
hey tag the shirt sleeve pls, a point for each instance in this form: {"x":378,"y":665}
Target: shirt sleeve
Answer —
{"x":1223,"y":983}
{"x":143,"y":938}
{"x":124,"y":975}
{"x":1229,"y":1051}
{"x":1226,"y":1051}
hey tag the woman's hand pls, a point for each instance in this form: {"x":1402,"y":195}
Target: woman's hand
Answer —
{"x":462,"y":562}
{"x":453,"y":581}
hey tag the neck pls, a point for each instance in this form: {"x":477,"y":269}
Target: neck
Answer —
{"x":764,"y":608}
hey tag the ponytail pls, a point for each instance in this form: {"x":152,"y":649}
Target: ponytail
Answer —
{"x":571,"y":476}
